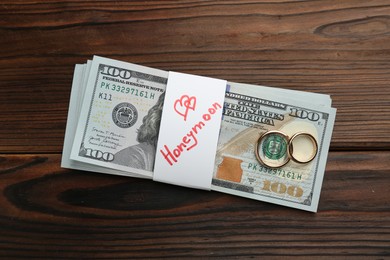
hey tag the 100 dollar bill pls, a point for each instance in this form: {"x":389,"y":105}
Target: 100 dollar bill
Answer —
{"x":117,"y":107}
{"x":249,"y":112}
{"x":119,"y":118}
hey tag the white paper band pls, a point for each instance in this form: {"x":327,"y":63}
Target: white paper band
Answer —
{"x":189,"y":130}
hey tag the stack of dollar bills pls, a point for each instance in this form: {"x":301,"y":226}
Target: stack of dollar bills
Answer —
{"x":113,"y":125}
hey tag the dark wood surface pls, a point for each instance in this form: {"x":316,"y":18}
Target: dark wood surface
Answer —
{"x":341,"y":48}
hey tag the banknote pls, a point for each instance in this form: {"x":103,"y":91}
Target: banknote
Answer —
{"x":113,"y":126}
{"x":80,"y":77}
{"x":119,"y":117}
{"x":250,"y":112}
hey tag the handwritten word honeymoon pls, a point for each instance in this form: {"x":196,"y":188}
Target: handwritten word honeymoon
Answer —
{"x":190,"y":140}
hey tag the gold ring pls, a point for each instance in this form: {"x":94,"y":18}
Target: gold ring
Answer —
{"x":272,"y":149}
{"x":291,"y":148}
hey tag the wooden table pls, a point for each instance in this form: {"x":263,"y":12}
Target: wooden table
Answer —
{"x":341,"y":48}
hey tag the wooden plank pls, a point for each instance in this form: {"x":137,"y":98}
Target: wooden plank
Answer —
{"x":51,"y":212}
{"x":332,"y":47}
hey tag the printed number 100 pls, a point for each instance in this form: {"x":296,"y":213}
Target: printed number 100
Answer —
{"x":280,"y":188}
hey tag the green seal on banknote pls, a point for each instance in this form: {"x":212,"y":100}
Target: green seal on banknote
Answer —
{"x":272,"y":149}
{"x":274,"y":146}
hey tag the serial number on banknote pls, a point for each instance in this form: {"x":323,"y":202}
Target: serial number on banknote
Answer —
{"x":123,"y":89}
{"x":280,"y":172}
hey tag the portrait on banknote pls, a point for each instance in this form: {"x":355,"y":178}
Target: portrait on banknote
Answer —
{"x":142,"y":155}
{"x":120,"y":115}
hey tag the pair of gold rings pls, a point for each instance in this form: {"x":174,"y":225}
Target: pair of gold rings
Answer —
{"x":274,"y":149}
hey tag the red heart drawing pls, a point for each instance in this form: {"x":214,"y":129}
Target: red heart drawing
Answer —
{"x":184,"y":104}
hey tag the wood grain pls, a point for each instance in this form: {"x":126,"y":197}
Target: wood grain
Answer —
{"x":51,"y":212}
{"x":332,"y":47}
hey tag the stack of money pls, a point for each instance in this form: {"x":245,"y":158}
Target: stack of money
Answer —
{"x":273,"y":143}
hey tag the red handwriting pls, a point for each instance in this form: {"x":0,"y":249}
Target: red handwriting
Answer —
{"x":190,"y":140}
{"x":184,"y":104}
